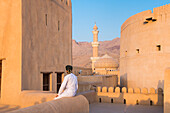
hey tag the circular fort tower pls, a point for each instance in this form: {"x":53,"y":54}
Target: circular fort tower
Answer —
{"x":145,"y":48}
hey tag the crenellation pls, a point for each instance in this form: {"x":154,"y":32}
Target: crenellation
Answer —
{"x":152,"y":91}
{"x":133,"y":96}
{"x":144,"y":90}
{"x":124,"y":90}
{"x":137,"y":90}
{"x":104,"y":89}
{"x":117,"y":90}
{"x":111,"y":90}
{"x":130,"y":90}
{"x":98,"y":89}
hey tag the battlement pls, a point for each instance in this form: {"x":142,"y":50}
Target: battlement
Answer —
{"x":162,"y":9}
{"x":158,"y":11}
{"x":130,"y":96}
{"x":129,"y":90}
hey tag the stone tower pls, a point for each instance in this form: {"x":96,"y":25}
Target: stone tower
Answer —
{"x":95,"y":45}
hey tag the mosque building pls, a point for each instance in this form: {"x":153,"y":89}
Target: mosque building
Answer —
{"x":104,"y":65}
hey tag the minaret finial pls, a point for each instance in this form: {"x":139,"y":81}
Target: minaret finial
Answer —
{"x":95,"y":27}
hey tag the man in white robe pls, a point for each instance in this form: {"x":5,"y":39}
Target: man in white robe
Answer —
{"x":69,"y":86}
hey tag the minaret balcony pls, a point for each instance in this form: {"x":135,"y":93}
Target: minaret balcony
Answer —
{"x":95,"y":44}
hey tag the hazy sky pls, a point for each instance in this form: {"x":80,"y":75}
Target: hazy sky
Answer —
{"x":109,"y":15}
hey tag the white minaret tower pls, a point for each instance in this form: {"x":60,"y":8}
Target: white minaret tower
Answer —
{"x":95,"y":45}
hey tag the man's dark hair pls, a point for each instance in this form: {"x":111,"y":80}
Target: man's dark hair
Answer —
{"x":69,"y":68}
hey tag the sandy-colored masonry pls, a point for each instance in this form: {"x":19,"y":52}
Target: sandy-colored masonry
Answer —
{"x":35,"y":38}
{"x":145,"y":48}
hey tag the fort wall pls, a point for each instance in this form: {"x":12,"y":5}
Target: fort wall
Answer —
{"x":78,"y":104}
{"x":145,"y":49}
{"x":10,"y":49}
{"x":46,"y":40}
{"x":35,"y":38}
{"x":131,"y":96}
{"x":84,"y":71}
{"x":167,"y":91}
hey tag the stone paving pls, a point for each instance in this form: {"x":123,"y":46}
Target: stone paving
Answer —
{"x":121,"y":108}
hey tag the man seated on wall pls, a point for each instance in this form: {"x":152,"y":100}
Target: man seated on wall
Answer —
{"x":69,"y":86}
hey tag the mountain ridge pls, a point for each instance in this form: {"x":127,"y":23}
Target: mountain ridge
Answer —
{"x":83,"y":51}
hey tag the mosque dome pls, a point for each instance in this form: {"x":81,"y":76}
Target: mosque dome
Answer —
{"x":106,"y":62}
{"x":95,"y":27}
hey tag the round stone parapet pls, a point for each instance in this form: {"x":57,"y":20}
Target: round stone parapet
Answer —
{"x":95,"y":44}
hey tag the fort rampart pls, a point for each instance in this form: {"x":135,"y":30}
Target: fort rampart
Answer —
{"x":145,"y":49}
{"x":132,"y":96}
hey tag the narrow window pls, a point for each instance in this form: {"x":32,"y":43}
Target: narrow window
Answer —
{"x":137,"y":50}
{"x":100,"y":100}
{"x":125,"y":53}
{"x":46,"y":81}
{"x":0,"y":73}
{"x":58,"y":25}
{"x":59,"y":81}
{"x":111,"y":100}
{"x":46,"y":19}
{"x":124,"y":101}
{"x":158,"y":47}
{"x":151,"y":103}
{"x":137,"y":102}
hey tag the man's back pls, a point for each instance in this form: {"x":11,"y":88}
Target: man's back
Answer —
{"x":72,"y":84}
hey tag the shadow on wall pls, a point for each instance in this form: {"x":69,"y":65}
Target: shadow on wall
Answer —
{"x":160,"y":94}
{"x":123,"y":80}
{"x":160,"y":84}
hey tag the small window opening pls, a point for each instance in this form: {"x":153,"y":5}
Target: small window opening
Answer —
{"x":151,"y":103}
{"x":125,"y":53}
{"x":137,"y":50}
{"x":46,"y":19}
{"x":100,"y":100}
{"x":158,"y":47}
{"x":124,"y":101}
{"x":150,"y":18}
{"x":145,"y":22}
{"x":111,"y":100}
{"x":153,"y":20}
{"x":46,"y":81}
{"x":137,"y":102}
{"x":58,"y":25}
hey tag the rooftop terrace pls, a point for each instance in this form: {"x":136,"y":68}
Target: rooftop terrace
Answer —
{"x":121,"y":108}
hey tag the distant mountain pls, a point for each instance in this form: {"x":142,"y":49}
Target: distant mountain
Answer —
{"x":82,"y":51}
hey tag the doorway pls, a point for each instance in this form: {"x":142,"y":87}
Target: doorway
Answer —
{"x":59,"y":80}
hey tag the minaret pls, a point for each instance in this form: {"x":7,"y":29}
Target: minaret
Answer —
{"x":95,"y":45}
